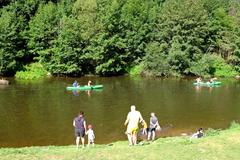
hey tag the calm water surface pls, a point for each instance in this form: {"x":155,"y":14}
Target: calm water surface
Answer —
{"x":41,"y":113}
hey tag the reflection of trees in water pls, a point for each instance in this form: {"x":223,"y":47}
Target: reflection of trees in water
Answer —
{"x":42,"y":113}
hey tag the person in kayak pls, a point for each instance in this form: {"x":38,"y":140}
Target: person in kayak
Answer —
{"x":133,"y":118}
{"x":75,"y":84}
{"x":89,"y":83}
{"x":80,"y":128}
{"x":212,"y":80}
{"x":199,"y":80}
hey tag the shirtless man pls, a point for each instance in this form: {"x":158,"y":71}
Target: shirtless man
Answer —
{"x":133,"y":118}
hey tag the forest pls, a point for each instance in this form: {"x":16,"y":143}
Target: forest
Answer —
{"x":116,"y":37}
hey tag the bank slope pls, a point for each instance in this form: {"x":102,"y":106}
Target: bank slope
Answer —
{"x":222,"y":145}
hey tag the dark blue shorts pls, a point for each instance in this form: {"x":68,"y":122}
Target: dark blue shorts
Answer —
{"x":151,"y":129}
{"x":79,"y":132}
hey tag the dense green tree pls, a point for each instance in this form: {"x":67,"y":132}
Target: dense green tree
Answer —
{"x":4,"y":2}
{"x":162,"y":38}
{"x":125,"y":26}
{"x":43,"y":30}
{"x":182,"y":29}
{"x":67,"y":49}
{"x":8,"y":37}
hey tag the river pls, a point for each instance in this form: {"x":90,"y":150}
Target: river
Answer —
{"x":41,"y":113}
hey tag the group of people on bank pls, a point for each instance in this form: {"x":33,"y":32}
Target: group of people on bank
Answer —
{"x":132,"y":122}
{"x":134,"y":118}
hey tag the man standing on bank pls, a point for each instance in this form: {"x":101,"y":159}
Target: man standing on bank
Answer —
{"x":80,"y":128}
{"x":133,"y":118}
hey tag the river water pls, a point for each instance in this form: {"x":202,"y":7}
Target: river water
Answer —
{"x":41,"y":113}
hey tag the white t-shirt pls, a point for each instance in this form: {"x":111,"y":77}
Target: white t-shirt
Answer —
{"x":91,"y":135}
{"x":134,"y":117}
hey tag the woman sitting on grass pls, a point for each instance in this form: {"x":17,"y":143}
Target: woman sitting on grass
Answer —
{"x":198,"y":134}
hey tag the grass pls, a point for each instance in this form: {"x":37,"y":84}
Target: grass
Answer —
{"x":216,"y":145}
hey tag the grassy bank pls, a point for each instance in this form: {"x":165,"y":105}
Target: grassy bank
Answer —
{"x":216,"y":145}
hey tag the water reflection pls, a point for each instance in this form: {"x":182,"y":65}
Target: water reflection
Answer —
{"x":87,"y":92}
{"x":75,"y":92}
{"x":200,"y":88}
{"x":42,"y":113}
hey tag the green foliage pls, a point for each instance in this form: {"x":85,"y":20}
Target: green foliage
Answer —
{"x":8,"y":36}
{"x":125,"y":26}
{"x":32,"y":72}
{"x":155,"y":62}
{"x":67,"y":49}
{"x":235,"y":125}
{"x":43,"y":30}
{"x":234,"y":61}
{"x":136,"y":70}
{"x":203,"y":67}
{"x":212,"y":132}
{"x":222,"y":69}
{"x":152,"y":37}
{"x":212,"y":65}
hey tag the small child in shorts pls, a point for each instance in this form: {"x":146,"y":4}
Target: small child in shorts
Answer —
{"x":144,"y":129}
{"x":91,"y":135}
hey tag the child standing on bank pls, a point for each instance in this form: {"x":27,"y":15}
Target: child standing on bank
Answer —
{"x":144,"y":129}
{"x":91,"y":135}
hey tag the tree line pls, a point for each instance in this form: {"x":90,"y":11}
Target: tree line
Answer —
{"x":114,"y":37}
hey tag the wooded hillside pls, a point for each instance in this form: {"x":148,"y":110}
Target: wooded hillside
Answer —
{"x":113,"y":37}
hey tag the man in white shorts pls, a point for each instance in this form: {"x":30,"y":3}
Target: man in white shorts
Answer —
{"x":133,"y":118}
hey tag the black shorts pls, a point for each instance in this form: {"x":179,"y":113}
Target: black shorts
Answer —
{"x":79,"y":132}
{"x":151,"y":129}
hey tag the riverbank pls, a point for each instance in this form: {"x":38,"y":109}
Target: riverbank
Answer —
{"x":216,"y":145}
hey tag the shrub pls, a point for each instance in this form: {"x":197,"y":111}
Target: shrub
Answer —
{"x":202,"y":67}
{"x":234,"y":61}
{"x":234,"y":125}
{"x":222,"y":69}
{"x":136,"y":70}
{"x":212,"y":132}
{"x":212,"y":65}
{"x":32,"y":72}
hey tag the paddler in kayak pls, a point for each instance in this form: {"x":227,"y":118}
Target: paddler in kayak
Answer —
{"x":212,"y":80}
{"x":89,"y":83}
{"x":75,"y":84}
{"x":199,"y":80}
